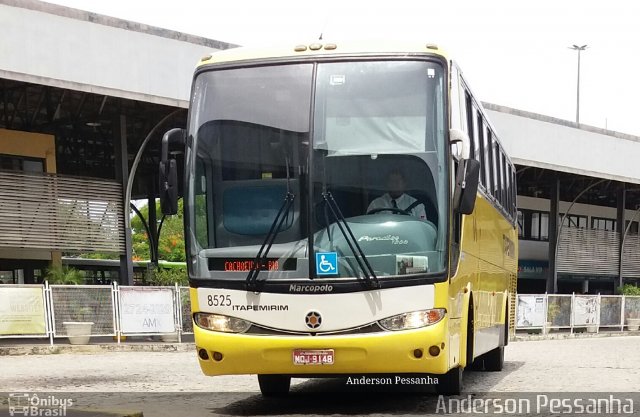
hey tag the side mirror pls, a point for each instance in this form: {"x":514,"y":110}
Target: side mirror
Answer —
{"x":467,"y":179}
{"x":168,"y":173}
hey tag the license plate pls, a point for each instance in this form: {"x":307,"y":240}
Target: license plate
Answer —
{"x":313,"y":357}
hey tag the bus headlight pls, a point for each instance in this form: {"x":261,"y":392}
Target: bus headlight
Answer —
{"x":413,"y":320}
{"x":220,"y":323}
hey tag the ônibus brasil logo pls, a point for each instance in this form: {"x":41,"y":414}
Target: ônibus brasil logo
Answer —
{"x":23,"y":404}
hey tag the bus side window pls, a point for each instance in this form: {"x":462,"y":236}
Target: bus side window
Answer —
{"x":514,"y":191}
{"x":509,"y":187}
{"x":472,"y":130}
{"x":489,"y":159}
{"x":501,"y":180}
{"x":494,"y":168}
{"x":505,"y":184}
{"x":483,"y":155}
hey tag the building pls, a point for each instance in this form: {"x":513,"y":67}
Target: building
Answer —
{"x":81,"y":92}
{"x":587,"y":177}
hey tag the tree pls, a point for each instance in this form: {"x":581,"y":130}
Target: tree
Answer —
{"x":171,"y":244}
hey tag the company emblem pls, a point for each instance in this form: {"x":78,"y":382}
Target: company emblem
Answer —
{"x":313,"y":319}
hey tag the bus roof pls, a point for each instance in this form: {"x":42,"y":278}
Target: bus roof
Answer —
{"x":322,"y":48}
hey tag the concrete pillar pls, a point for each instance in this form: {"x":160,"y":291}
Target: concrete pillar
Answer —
{"x":122,"y":175}
{"x":620,"y":227}
{"x":56,"y":258}
{"x":552,"y":279}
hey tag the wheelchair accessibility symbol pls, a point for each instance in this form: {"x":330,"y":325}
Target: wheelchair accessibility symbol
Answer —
{"x":326,"y":263}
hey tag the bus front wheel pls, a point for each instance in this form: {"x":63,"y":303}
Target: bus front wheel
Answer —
{"x":274,"y":385}
{"x":451,"y":382}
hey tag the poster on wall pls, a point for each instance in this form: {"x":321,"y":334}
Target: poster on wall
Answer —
{"x":585,"y":310}
{"x":146,"y":310}
{"x":530,"y":311}
{"x":22,"y":311}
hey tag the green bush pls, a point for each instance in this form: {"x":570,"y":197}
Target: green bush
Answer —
{"x":629,"y":289}
{"x":167,"y":276}
{"x":64,"y":276}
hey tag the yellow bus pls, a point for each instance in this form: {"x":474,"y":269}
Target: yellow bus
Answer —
{"x":349,"y":210}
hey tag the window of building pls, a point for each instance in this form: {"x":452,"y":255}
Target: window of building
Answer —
{"x":602,"y":223}
{"x":533,"y":225}
{"x":21,"y":163}
{"x":520,"y":224}
{"x":539,"y":226}
{"x":633,"y":230}
{"x":574,"y":220}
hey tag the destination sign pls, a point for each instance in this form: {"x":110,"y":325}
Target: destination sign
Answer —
{"x":250,"y":264}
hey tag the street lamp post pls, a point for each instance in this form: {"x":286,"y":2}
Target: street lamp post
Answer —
{"x":579,"y":49}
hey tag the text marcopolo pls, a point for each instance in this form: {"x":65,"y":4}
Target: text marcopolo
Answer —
{"x":310,"y":288}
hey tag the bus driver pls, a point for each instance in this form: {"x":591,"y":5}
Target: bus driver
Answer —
{"x":395,"y":197}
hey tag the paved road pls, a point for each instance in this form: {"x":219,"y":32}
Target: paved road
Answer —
{"x":161,"y":383}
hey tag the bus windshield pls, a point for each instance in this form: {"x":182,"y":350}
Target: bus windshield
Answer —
{"x":333,"y":170}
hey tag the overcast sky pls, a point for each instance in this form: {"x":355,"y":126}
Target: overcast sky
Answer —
{"x":513,"y":53}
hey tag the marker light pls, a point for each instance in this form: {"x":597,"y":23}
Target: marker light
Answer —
{"x":413,"y":320}
{"x":219,"y":323}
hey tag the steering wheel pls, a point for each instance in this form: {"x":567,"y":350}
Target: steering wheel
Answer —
{"x":393,"y":209}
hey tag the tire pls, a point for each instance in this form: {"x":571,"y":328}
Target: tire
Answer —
{"x":494,"y":359}
{"x":451,"y":382}
{"x":274,"y":385}
{"x":476,"y":365}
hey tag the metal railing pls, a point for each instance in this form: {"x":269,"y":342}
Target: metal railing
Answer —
{"x":55,"y":311}
{"x":82,"y":311}
{"x":577,"y":313}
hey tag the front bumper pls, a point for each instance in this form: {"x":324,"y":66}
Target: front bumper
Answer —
{"x":376,"y":353}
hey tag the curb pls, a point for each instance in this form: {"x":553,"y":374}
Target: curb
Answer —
{"x":99,"y":348}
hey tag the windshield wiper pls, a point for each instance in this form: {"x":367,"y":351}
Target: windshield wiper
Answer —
{"x":261,"y":257}
{"x":346,"y":231}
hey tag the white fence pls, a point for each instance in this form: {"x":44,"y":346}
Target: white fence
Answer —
{"x":573,"y":313}
{"x":77,"y":311}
